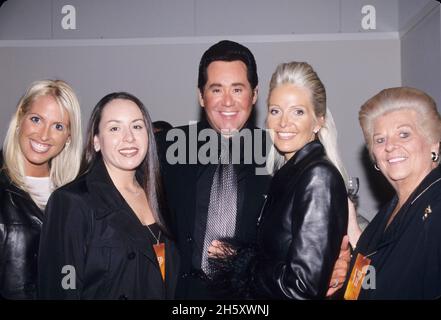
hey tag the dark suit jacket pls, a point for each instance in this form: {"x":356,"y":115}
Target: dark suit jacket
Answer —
{"x":89,"y":226}
{"x":181,"y":183}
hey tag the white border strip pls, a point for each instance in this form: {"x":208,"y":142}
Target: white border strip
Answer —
{"x":201,"y":40}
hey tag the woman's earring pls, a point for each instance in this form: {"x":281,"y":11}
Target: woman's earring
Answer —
{"x":96,"y":148}
{"x":435,"y":156}
{"x":376,"y":167}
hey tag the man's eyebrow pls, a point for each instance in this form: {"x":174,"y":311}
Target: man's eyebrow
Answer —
{"x":214,"y":85}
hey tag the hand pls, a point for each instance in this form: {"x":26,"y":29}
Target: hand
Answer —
{"x":341,"y":268}
{"x":220,"y":250}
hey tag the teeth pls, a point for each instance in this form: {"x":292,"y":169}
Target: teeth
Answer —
{"x":38,"y":147}
{"x":394,"y":160}
{"x":228,"y":114}
{"x":128,"y":152}
{"x":286,"y":135}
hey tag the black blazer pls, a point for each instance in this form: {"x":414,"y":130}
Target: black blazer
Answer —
{"x":181,"y":181}
{"x":89,"y":226}
{"x":406,"y":257}
{"x":20,"y":227}
{"x":301,"y":228}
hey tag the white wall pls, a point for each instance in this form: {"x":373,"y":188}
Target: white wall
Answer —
{"x":152,"y":49}
{"x":421,"y":54}
{"x":164,"y":76}
{"x":110,"y":19}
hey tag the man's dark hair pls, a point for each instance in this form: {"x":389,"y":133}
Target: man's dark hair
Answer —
{"x":161,"y":125}
{"x":226,"y":50}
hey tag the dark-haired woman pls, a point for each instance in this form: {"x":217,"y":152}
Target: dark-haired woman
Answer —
{"x":104,"y":236}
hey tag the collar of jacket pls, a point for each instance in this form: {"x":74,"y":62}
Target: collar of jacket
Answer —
{"x":429,"y":181}
{"x":7,"y":185}
{"x":432,"y":179}
{"x":311,"y":148}
{"x":103,"y":191}
{"x":107,"y":202}
{"x":403,"y":219}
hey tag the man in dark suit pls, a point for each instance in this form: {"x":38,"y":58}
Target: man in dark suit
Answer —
{"x":227,"y":92}
{"x":227,"y":85}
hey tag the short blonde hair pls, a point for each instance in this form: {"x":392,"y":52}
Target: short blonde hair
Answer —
{"x":399,"y":98}
{"x":65,"y":166}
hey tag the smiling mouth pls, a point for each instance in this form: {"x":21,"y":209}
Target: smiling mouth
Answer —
{"x":396,"y":160}
{"x":39,"y":147}
{"x":286,"y":135}
{"x":129,"y":152}
{"x":228,"y":113}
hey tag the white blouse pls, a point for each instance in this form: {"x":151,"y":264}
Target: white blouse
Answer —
{"x":40,"y":188}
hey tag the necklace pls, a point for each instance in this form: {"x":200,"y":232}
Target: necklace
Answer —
{"x":156,"y":238}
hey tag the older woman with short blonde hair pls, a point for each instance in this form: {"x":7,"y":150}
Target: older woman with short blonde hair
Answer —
{"x":398,"y":253}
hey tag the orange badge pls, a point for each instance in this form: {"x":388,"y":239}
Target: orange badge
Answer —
{"x":357,"y":277}
{"x":160,"y":254}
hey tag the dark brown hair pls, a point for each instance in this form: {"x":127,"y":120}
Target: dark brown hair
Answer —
{"x":148,"y":173}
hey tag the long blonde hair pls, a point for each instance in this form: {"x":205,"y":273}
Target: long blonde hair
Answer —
{"x":301,"y":74}
{"x":65,"y":166}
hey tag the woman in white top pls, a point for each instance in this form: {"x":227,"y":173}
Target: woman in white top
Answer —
{"x":41,"y":152}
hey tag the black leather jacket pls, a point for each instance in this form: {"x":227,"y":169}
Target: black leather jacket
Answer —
{"x":20,"y":227}
{"x":301,"y":228}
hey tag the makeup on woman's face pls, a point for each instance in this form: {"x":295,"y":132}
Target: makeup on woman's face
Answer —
{"x":122,"y":137}
{"x":291,"y":117}
{"x":43,"y":132}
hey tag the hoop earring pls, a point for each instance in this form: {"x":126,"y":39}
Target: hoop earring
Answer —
{"x":435,"y":156}
{"x":376,"y":167}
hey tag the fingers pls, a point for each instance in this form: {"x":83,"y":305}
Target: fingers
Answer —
{"x":345,"y":252}
{"x":341,"y":267}
{"x":331,"y":291}
{"x":337,"y":280}
{"x":219,"y":249}
{"x":214,"y":250}
{"x":344,"y":244}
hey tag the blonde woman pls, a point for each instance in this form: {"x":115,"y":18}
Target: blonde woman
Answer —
{"x":304,"y":218}
{"x":398,"y":255}
{"x":41,"y":152}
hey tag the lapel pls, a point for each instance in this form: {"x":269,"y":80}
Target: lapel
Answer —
{"x":407,"y":214}
{"x":405,"y":218}
{"x":37,"y":213}
{"x":171,"y":268}
{"x":109,"y":204}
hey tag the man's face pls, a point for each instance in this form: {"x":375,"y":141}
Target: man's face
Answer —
{"x":228,"y":98}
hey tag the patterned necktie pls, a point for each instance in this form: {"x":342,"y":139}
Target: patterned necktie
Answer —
{"x":222,"y":209}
